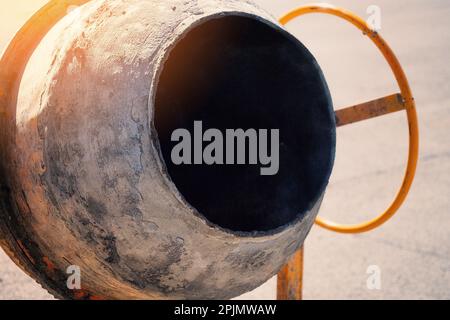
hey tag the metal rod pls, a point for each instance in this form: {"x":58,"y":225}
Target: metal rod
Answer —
{"x":369,"y":110}
{"x":290,"y":278}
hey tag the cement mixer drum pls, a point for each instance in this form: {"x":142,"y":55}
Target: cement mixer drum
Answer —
{"x":87,"y":178}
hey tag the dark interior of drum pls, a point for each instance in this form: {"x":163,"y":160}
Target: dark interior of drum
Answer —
{"x":236,"y":72}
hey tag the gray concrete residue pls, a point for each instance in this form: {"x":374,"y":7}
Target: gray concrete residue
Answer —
{"x":84,"y":158}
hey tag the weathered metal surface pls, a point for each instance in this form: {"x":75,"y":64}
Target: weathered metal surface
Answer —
{"x":290,"y":278}
{"x":83,"y":182}
{"x":369,"y":110}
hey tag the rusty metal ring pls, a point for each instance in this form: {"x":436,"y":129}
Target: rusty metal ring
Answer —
{"x":409,"y":104}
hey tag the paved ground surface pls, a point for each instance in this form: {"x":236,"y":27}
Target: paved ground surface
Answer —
{"x":413,"y":249}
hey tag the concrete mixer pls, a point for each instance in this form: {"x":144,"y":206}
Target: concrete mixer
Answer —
{"x":90,"y":101}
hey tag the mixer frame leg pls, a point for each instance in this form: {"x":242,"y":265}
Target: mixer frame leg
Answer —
{"x":290,"y":278}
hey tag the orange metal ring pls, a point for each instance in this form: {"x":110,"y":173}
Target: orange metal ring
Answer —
{"x":410,"y":110}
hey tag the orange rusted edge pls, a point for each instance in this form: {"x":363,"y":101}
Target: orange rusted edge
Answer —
{"x":290,"y":278}
{"x":20,"y":49}
{"x":12,"y":65}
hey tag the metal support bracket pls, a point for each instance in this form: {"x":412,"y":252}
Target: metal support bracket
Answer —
{"x":290,"y":284}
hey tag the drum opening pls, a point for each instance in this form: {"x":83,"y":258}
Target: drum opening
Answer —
{"x":241,"y":72}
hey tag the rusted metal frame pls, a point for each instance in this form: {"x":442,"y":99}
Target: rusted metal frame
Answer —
{"x":368,"y":110}
{"x":410,"y":108}
{"x":290,"y":278}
